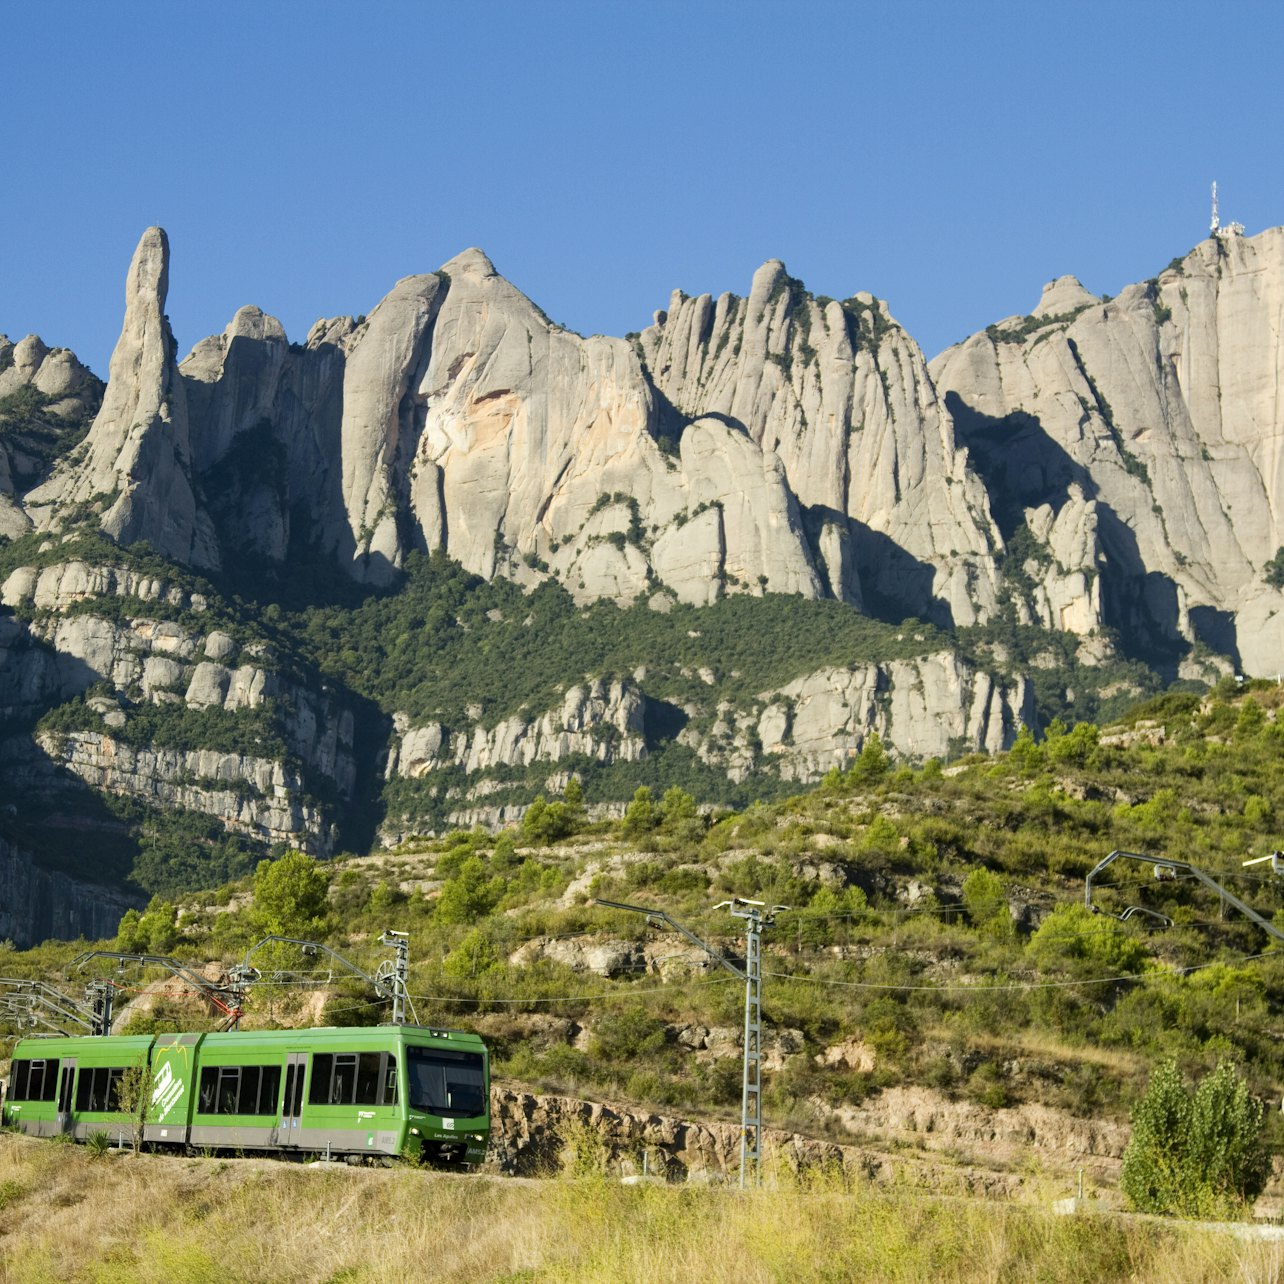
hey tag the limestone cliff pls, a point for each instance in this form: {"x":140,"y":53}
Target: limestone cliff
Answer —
{"x":39,"y":904}
{"x":1140,"y":439}
{"x":134,"y":471}
{"x":841,"y":396}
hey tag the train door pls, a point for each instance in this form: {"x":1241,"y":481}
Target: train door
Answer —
{"x":296,"y":1065}
{"x":65,"y":1081}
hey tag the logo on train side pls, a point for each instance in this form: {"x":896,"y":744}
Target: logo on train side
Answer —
{"x":166,"y":1092}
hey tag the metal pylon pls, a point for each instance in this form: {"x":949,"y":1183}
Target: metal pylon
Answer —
{"x":757,"y":916}
{"x":751,"y":1096}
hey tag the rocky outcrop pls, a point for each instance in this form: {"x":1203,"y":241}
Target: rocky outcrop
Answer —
{"x":155,"y":661}
{"x":1159,"y":411}
{"x":45,"y":395}
{"x":600,"y":720}
{"x":39,"y":904}
{"x":933,"y":706}
{"x":930,"y":707}
{"x":841,"y":396}
{"x":1111,"y":462}
{"x":258,"y":797}
{"x":908,"y":1136}
{"x":135,"y":470}
{"x":32,"y":675}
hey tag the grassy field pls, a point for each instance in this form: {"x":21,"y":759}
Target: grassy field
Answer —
{"x":123,"y":1219}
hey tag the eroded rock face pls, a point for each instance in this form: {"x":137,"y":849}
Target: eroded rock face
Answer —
{"x":841,"y":396}
{"x":601,"y":720}
{"x":929,"y":707}
{"x":47,"y":387}
{"x":777,"y":442}
{"x":136,"y":469}
{"x":1158,"y":410}
{"x":905,"y":1135}
{"x":257,"y":797}
{"x":39,"y":904}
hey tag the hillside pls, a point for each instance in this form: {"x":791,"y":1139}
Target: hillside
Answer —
{"x":409,"y":573}
{"x":936,"y":996}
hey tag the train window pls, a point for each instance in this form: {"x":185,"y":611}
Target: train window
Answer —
{"x":229,"y":1088}
{"x":343,"y":1091}
{"x":319,"y":1089}
{"x":239,"y":1090}
{"x":352,"y":1078}
{"x":247,"y":1101}
{"x":35,"y":1080}
{"x":98,"y":1088}
{"x":368,"y":1079}
{"x":269,"y":1092}
{"x":446,"y":1082}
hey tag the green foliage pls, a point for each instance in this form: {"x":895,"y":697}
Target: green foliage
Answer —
{"x":985,"y":899}
{"x":471,"y":894}
{"x":872,"y":763}
{"x":640,"y":815}
{"x":290,"y":898}
{"x":1072,"y":938}
{"x":98,"y":1144}
{"x":154,"y":931}
{"x":474,"y":956}
{"x":1274,"y":569}
{"x":546,"y":822}
{"x":628,"y":1035}
{"x":1195,"y":1154}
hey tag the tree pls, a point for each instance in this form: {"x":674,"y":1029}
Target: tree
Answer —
{"x":291,"y":897}
{"x":133,"y":1098}
{"x":986,"y":901}
{"x":872,"y":763}
{"x":546,"y":822}
{"x":1195,"y":1154}
{"x":639,"y":815}
{"x":154,"y":931}
{"x":470,"y":895}
{"x":1073,"y":938}
{"x":474,"y":956}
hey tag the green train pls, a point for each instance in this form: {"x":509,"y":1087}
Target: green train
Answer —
{"x":391,"y":1090}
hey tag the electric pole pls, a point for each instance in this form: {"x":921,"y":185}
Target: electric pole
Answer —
{"x":756,"y":916}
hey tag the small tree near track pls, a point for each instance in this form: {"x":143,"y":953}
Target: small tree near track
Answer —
{"x":133,"y":1098}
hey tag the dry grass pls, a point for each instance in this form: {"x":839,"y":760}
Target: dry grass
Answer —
{"x":1047,"y":1044}
{"x":125,"y":1220}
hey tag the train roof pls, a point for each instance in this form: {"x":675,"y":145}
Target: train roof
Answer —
{"x":298,"y":1040}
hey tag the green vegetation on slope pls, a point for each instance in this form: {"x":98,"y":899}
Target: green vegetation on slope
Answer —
{"x":936,"y":927}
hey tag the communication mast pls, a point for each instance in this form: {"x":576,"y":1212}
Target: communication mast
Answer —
{"x":1215,"y":227}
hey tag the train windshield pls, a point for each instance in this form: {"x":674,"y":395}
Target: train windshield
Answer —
{"x":446,"y":1082}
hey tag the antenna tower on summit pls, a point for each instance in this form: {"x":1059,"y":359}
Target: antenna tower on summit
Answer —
{"x":1215,"y":227}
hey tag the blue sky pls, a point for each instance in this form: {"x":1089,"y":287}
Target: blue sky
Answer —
{"x":949,"y":157}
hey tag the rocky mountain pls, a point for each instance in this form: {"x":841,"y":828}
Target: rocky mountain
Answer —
{"x":309,"y":592}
